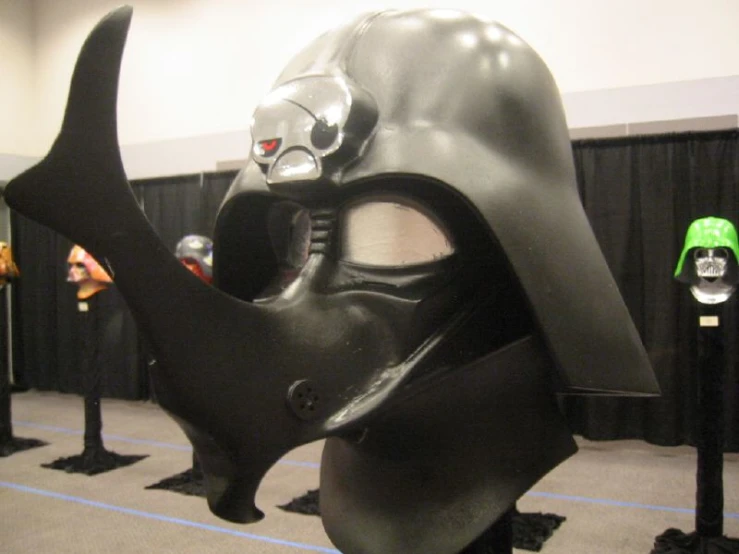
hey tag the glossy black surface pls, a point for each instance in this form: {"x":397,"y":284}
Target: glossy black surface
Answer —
{"x":468,"y":105}
{"x":434,"y":382}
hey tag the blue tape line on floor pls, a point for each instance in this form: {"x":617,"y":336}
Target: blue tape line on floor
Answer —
{"x":167,"y":519}
{"x":119,"y":438}
{"x":106,"y":436}
{"x":603,"y":501}
{"x":619,"y":503}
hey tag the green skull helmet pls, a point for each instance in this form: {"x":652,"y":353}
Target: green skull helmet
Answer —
{"x":711,"y":251}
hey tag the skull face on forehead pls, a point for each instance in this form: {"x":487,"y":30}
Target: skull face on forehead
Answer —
{"x":299,"y":128}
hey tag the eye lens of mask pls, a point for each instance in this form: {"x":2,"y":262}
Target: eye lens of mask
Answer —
{"x":392,"y":233}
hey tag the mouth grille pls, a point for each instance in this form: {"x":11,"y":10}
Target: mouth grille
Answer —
{"x":323,"y":223}
{"x":710,"y":269}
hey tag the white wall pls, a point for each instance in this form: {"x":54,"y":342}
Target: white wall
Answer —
{"x":17,"y":118}
{"x":197,"y":68}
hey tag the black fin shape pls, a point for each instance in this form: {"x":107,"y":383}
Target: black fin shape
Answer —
{"x":83,"y":169}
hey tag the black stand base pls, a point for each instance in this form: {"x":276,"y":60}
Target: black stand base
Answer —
{"x":188,"y":482}
{"x":674,"y":541}
{"x":18,"y":444}
{"x":306,"y":504}
{"x":530,"y":530}
{"x":93,"y":462}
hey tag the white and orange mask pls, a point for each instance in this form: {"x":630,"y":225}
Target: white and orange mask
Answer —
{"x":86,"y":272}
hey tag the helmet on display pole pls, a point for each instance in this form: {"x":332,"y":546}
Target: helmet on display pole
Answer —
{"x":458,"y":120}
{"x":196,"y":254}
{"x":708,"y":261}
{"x":86,"y":273}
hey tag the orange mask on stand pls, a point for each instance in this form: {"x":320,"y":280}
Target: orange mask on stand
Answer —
{"x":8,"y":269}
{"x":87,"y":273}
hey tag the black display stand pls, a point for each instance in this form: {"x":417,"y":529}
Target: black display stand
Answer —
{"x":709,"y":519}
{"x":9,"y":444}
{"x":95,"y":458}
{"x":524,"y":531}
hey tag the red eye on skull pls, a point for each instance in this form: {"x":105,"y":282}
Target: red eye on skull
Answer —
{"x":269,"y":147}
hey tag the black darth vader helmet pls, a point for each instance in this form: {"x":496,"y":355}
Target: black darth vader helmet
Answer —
{"x":437,"y":103}
{"x":458,"y":120}
{"x":429,"y":371}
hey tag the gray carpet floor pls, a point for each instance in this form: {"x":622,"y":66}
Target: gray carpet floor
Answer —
{"x":617,"y":496}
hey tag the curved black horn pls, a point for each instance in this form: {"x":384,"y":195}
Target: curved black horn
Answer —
{"x":80,"y":190}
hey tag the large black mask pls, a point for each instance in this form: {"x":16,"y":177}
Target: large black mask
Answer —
{"x":403,"y":268}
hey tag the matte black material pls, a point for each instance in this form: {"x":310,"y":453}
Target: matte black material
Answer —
{"x":9,"y":444}
{"x":6,"y":422}
{"x":419,"y":375}
{"x":99,"y":324}
{"x":91,"y":369}
{"x":674,"y":541}
{"x":710,"y":366}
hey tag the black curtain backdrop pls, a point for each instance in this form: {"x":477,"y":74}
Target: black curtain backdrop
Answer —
{"x":183,"y":205}
{"x":640,"y":194}
{"x":46,"y":338}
